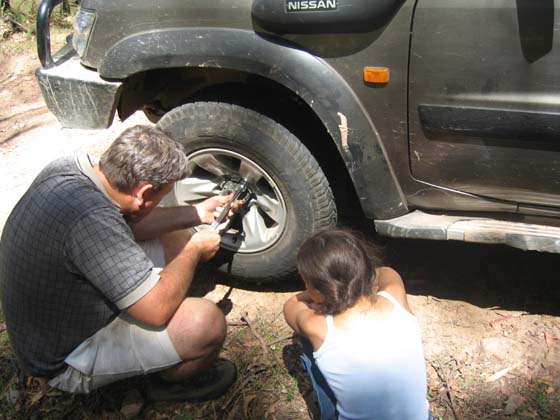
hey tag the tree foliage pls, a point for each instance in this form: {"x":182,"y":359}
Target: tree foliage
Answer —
{"x":22,"y":15}
{"x":5,"y":5}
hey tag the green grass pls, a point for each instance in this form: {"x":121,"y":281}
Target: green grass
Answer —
{"x":8,"y":376}
{"x":25,"y":13}
{"x":546,"y":400}
{"x":23,"y":43}
{"x":15,"y":41}
{"x":269,"y":385}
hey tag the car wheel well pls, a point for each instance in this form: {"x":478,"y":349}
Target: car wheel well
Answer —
{"x":159,"y":91}
{"x":286,"y":108}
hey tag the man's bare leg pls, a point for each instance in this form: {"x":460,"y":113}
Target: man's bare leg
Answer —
{"x":198,"y":331}
{"x":198,"y":328}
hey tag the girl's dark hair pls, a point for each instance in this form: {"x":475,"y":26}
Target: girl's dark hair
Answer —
{"x":340,"y":265}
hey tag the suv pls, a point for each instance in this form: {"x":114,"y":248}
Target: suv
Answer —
{"x":440,"y":119}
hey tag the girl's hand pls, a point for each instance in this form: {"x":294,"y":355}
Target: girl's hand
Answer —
{"x":302,"y":315}
{"x":317,"y":307}
{"x":306,"y":298}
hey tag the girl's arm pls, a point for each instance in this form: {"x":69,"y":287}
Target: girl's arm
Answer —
{"x":297,"y":309}
{"x":302,"y":318}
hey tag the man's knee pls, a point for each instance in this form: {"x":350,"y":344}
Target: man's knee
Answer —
{"x":197,"y":328}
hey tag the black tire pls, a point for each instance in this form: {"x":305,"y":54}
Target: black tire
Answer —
{"x":299,"y":182}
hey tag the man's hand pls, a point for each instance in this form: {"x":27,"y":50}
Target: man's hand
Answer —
{"x":209,"y":209}
{"x":206,"y":243}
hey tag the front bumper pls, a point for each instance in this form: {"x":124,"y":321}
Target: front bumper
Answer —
{"x":77,"y":96}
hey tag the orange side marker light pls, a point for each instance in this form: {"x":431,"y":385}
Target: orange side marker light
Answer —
{"x":376,"y":75}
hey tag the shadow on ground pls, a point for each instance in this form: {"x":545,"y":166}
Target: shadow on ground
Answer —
{"x":535,"y":398}
{"x":483,"y":275}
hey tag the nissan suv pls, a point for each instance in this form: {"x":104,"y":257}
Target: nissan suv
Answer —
{"x":439,"y":119}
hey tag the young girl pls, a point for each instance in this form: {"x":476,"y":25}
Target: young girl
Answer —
{"x":358,"y":332}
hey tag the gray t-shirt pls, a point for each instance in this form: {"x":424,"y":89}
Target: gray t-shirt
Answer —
{"x":68,"y":264}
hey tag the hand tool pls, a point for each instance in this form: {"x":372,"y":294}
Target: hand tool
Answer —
{"x":240,"y":192}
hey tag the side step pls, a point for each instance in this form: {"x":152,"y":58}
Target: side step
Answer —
{"x":422,"y":225}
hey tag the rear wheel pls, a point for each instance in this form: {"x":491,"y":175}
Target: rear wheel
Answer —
{"x":290,"y":197}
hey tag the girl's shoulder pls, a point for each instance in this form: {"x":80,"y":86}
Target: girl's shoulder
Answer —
{"x":389,"y":280}
{"x":314,"y":328}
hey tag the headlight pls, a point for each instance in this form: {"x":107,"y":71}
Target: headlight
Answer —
{"x":82,"y":28}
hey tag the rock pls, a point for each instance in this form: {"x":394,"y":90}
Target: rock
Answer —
{"x":12,"y":396}
{"x":513,"y":403}
{"x":132,"y":404}
{"x":502,"y":348}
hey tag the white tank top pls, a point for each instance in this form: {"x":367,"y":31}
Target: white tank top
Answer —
{"x":378,"y":374}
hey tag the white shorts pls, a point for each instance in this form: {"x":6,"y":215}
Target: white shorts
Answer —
{"x":122,"y":349}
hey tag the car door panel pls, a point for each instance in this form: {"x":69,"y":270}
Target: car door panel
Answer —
{"x":484,"y":98}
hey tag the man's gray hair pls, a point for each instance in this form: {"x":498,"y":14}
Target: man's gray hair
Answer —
{"x":143,"y":154}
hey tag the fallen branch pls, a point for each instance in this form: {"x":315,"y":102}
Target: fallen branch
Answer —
{"x":505,"y":318}
{"x":445,"y":380}
{"x":241,"y":386}
{"x":278,"y":340}
{"x":236,"y":324}
{"x":16,"y":24}
{"x":256,"y":334}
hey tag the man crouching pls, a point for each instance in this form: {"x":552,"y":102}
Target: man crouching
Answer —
{"x":84,"y":303}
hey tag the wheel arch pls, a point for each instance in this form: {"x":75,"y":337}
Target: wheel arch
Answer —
{"x":309,"y":78}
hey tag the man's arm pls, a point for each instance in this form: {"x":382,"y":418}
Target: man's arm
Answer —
{"x":163,"y":220}
{"x":159,"y":305}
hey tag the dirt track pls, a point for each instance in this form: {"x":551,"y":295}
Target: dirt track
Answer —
{"x":490,"y":314}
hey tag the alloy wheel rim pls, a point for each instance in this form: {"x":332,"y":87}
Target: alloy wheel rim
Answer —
{"x":264,"y":217}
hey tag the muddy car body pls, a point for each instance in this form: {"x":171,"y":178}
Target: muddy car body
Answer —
{"x":439,"y":119}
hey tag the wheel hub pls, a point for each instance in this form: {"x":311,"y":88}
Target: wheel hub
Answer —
{"x":262,"y":220}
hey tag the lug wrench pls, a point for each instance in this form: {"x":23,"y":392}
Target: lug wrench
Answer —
{"x":238,"y":192}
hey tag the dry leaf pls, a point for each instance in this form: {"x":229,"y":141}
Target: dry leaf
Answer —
{"x":271,"y":410}
{"x":549,"y":380}
{"x":132,"y":404}
{"x":246,"y":401}
{"x":549,"y":339}
{"x":502,"y":318}
{"x":432,"y":375}
{"x":529,"y":413}
{"x":499,"y":374}
{"x":36,"y":397}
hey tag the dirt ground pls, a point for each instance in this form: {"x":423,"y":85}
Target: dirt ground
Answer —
{"x":489,"y":314}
